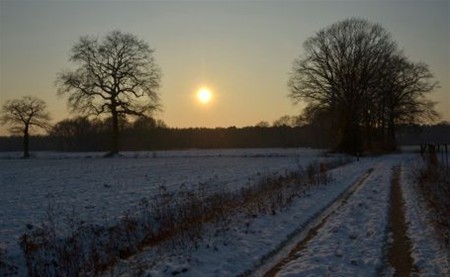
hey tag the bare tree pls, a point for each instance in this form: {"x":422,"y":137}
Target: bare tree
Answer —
{"x":144,"y":123}
{"x":403,"y":96}
{"x":349,"y":72}
{"x":117,"y":76}
{"x":263,"y":124}
{"x":75,"y":134}
{"x":24,"y":114}
{"x":287,"y":121}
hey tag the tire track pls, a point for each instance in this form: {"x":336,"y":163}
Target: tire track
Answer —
{"x":286,"y":252}
{"x":399,"y":252}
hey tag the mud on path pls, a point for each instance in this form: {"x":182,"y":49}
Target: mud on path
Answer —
{"x":399,"y":253}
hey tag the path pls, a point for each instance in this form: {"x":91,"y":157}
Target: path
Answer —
{"x":311,"y":230}
{"x":399,"y":254}
{"x":347,"y":238}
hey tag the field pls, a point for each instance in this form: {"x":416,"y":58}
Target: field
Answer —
{"x":349,"y":211}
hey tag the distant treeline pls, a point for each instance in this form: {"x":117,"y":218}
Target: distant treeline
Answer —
{"x":174,"y":138}
{"x":79,"y":135}
{"x":417,"y":134}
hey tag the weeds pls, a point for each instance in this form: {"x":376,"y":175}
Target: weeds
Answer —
{"x":169,"y":219}
{"x":6,"y":268}
{"x":434,"y":184}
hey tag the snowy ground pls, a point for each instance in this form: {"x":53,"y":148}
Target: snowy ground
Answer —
{"x":99,"y":190}
{"x":252,"y":239}
{"x":427,"y":252}
{"x":350,"y":241}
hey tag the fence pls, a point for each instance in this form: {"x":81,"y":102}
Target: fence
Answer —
{"x":436,"y":153}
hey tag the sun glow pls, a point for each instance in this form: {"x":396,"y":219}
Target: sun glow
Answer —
{"x":204,"y":95}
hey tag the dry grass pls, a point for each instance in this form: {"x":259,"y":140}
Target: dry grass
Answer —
{"x":434,"y":184}
{"x":170,"y":220}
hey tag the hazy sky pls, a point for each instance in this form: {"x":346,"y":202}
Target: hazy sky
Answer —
{"x":243,"y":50}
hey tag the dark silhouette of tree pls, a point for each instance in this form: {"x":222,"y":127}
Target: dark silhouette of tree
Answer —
{"x":402,"y":97}
{"x":262,"y":124}
{"x":144,"y":123}
{"x":313,"y":133}
{"x":353,"y":73}
{"x":24,"y":114}
{"x":77,"y":134}
{"x":287,"y":120}
{"x":117,"y":76}
{"x":161,"y":124}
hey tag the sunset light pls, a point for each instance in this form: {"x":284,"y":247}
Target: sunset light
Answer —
{"x":204,"y":95}
{"x":210,"y":138}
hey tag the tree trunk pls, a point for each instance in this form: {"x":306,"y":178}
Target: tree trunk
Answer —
{"x":350,"y":137}
{"x":392,"y":145}
{"x":115,"y":129}
{"x":26,"y":143}
{"x":368,"y":134}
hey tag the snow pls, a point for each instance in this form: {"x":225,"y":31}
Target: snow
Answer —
{"x":253,"y":239}
{"x":351,"y":241}
{"x":99,"y":190}
{"x":430,"y":257}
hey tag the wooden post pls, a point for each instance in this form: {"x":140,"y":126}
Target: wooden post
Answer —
{"x":446,"y":159}
{"x":433,"y":158}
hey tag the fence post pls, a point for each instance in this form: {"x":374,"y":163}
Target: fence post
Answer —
{"x":446,"y":160}
{"x":422,"y":149}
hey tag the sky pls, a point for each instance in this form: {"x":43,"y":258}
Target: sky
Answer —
{"x":242,"y":50}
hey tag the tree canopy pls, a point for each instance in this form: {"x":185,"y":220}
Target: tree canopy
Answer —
{"x":353,"y":73}
{"x":116,"y":75}
{"x":24,"y":114}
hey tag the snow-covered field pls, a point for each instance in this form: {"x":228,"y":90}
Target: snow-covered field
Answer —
{"x":97,"y":189}
{"x":351,"y":240}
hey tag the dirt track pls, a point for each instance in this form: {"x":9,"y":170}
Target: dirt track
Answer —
{"x":299,"y":241}
{"x":397,"y":257}
{"x":400,"y":250}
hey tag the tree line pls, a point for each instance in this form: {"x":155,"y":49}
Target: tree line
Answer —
{"x":357,"y":84}
{"x":83,"y":134}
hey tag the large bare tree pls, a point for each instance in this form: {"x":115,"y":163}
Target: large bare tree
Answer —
{"x":354,"y":72}
{"x":24,"y":114}
{"x":402,"y":97}
{"x":116,"y":75}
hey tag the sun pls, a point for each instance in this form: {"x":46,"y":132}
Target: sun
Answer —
{"x":204,"y":95}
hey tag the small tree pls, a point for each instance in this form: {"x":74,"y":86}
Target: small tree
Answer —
{"x":24,"y":114}
{"x":116,"y":76}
